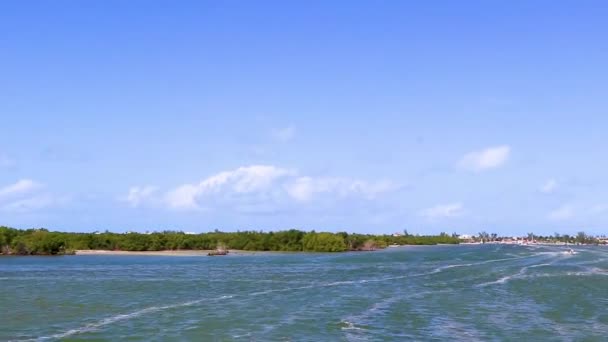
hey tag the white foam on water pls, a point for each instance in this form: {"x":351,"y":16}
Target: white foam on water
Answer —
{"x":243,"y":335}
{"x":337,"y":283}
{"x":449,"y":328}
{"x":124,"y":317}
{"x":346,"y":325}
{"x":118,"y":318}
{"x":442,"y":268}
{"x":550,"y":254}
{"x":317,"y":285}
{"x":592,"y":262}
{"x":501,"y":315}
{"x":518,"y":275}
{"x":597,"y":270}
{"x":593,"y":271}
{"x":284,"y":290}
{"x":499,"y":281}
{"x":375,"y":309}
{"x":567,"y":274}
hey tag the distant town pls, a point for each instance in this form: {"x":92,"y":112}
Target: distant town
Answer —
{"x":581,"y":238}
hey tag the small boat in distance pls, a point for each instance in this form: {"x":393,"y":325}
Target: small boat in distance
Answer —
{"x":570,"y":251}
{"x":219,"y":250}
{"x":216,"y":252}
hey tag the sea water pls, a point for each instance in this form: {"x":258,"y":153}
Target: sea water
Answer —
{"x":464,"y":293}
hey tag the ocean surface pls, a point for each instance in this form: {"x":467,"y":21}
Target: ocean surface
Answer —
{"x":463,"y":293}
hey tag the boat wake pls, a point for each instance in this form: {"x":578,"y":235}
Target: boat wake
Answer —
{"x":121,"y":317}
{"x":128,"y":316}
{"x":346,"y":325}
{"x":518,"y":275}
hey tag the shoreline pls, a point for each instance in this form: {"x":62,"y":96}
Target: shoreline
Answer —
{"x":204,"y":252}
{"x":236,"y":252}
{"x":194,"y":252}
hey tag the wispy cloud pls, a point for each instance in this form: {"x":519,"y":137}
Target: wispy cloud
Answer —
{"x":259,"y":186}
{"x":488,"y":158}
{"x":27,"y":195}
{"x":242,"y":181}
{"x":284,"y":134}
{"x":138,"y":195}
{"x":549,"y":186}
{"x":20,"y":187}
{"x":444,"y":211}
{"x":562,"y":213}
{"x":35,"y":202}
{"x":305,"y":188}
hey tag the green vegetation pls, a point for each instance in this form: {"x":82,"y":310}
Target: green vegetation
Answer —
{"x":44,"y":242}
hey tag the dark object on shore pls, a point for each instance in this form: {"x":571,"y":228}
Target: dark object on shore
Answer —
{"x":214,"y":253}
{"x":368,"y":246}
{"x":221,"y":249}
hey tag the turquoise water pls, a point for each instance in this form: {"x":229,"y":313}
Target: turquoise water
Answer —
{"x":465,"y":293}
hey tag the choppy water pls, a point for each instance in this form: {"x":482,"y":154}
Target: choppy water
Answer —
{"x":465,"y":293}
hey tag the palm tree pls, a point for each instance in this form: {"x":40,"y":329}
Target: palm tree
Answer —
{"x":557,"y":237}
{"x":581,"y":237}
{"x":530,"y":237}
{"x":483,"y":236}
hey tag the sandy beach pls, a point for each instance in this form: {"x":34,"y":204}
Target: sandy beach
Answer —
{"x":165,"y":253}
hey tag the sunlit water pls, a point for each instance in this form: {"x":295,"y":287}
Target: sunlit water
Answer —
{"x":464,"y":293}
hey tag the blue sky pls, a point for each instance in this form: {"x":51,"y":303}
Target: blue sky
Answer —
{"x":331,"y":115}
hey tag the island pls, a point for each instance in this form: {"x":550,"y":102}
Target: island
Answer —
{"x":42,"y":241}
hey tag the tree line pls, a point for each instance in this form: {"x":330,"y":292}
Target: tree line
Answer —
{"x":44,"y":242}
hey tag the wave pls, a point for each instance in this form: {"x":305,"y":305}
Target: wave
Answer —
{"x":591,"y":272}
{"x":121,"y":317}
{"x":447,"y":328}
{"x":442,"y":268}
{"x":346,"y":325}
{"x":387,"y":303}
{"x":517,"y":275}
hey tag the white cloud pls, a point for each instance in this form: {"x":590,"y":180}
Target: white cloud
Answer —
{"x":305,"y":188}
{"x":489,"y":158}
{"x":22,"y":186}
{"x":267,"y":186}
{"x":183,"y":197}
{"x":562,"y":213}
{"x":244,"y":180}
{"x":549,"y":186}
{"x":137,"y":195}
{"x":444,"y":211}
{"x":25,"y":195}
{"x":32,"y":203}
{"x":284,"y":134}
